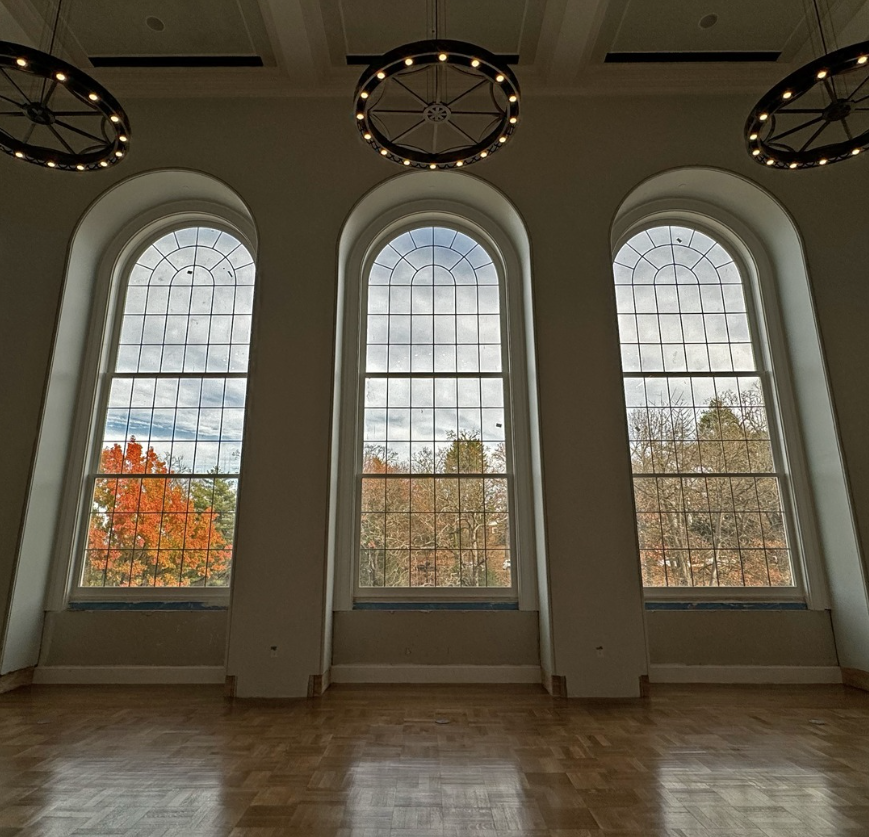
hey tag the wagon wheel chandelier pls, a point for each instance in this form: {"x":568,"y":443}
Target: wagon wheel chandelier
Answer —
{"x":818,"y":115}
{"x":437,"y":104}
{"x":54,"y":115}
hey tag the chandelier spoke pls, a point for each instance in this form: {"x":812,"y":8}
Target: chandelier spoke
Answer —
{"x":847,"y":129}
{"x":462,"y":131}
{"x":452,"y":101}
{"x":76,"y":113}
{"x":66,"y":145}
{"x":11,"y":113}
{"x":409,"y":130}
{"x":794,"y":130}
{"x":856,"y":90}
{"x":413,"y":93}
{"x":388,"y":110}
{"x":12,"y":82}
{"x":814,"y":136}
{"x":78,"y":130}
{"x":476,"y":112}
{"x":46,"y":97}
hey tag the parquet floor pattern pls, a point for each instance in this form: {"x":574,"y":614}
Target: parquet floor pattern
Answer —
{"x":435,"y":761}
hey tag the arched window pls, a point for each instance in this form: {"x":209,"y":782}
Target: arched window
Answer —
{"x":434,"y":462}
{"x":710,"y":486}
{"x":163,"y":475}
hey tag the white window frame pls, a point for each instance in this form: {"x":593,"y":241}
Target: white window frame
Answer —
{"x":105,"y":322}
{"x":773,"y":370}
{"x":471,"y":222}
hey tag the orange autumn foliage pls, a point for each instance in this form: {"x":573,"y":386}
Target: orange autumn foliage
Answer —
{"x":148,"y":530}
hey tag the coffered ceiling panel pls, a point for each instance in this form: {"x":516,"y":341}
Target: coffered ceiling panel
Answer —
{"x":706,"y":25}
{"x":501,"y":26}
{"x":166,"y":27}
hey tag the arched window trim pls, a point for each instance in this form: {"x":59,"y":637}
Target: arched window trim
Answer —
{"x":363,"y":251}
{"x":764,"y":314}
{"x":112,"y":276}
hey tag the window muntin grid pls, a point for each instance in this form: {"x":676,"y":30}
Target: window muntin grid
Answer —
{"x":708,"y":495}
{"x":435,"y":479}
{"x":165,"y":480}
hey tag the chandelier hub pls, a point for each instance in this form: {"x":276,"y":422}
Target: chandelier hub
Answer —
{"x":437,"y":112}
{"x":837,"y":111}
{"x":39,"y":114}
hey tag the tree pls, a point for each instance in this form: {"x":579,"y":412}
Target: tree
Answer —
{"x":439,"y":521}
{"x":698,"y":527}
{"x":148,"y":530}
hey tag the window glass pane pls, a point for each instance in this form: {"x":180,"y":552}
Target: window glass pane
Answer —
{"x":708,"y":499}
{"x":435,"y":502}
{"x":164,"y":493}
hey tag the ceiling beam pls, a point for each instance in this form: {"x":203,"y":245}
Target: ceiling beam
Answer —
{"x":568,"y":35}
{"x":298,"y":39}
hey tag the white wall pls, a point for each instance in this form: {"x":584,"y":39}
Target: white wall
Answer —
{"x":299,"y":166}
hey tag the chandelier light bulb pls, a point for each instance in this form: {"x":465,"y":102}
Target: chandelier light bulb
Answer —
{"x":855,"y":152}
{"x":513,"y":120}
{"x":80,"y":167}
{"x":21,"y":62}
{"x":863,"y":59}
{"x":381,"y":75}
{"x":499,"y":78}
{"x":756,"y":152}
{"x":363,"y":94}
{"x":475,"y":62}
{"x":502,"y":139}
{"x":822,"y":74}
{"x":770,"y":162}
{"x":792,"y":166}
{"x":822,"y":161}
{"x":408,"y":61}
{"x":442,"y":57}
{"x":484,"y":153}
{"x":51,"y":164}
{"x":93,"y":97}
{"x":122,"y":138}
{"x":763,"y":117}
{"x":19,"y":155}
{"x":360,"y":116}
{"x":366,"y":136}
{"x":752,"y":137}
{"x":787,"y":94}
{"x":384,"y":152}
{"x":407,"y":162}
{"x":114,"y":119}
{"x":104,"y":164}
{"x":60,"y":76}
{"x":460,"y":163}
{"x":514,"y":98}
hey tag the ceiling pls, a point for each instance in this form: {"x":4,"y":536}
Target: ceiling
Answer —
{"x":301,"y":47}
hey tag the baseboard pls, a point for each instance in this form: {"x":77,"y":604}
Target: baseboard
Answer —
{"x":856,"y":677}
{"x":16,"y":679}
{"x":106,"y":675}
{"x":744,"y":674}
{"x":433,"y":674}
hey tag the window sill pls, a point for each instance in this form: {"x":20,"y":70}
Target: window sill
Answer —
{"x":719,"y":605}
{"x":452,"y":605}
{"x":94,"y":604}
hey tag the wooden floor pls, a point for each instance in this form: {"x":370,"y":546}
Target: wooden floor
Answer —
{"x":396,"y":761}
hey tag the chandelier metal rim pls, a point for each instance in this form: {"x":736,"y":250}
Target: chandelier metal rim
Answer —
{"x":788,"y":92}
{"x":439,"y":52}
{"x":92,"y":95}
